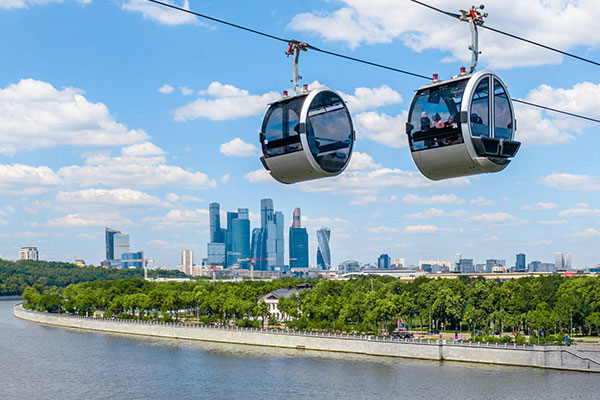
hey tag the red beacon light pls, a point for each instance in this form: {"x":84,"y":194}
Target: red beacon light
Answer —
{"x":285,"y":94}
{"x":435,"y":78}
{"x":463,"y":71}
{"x":305,"y":88}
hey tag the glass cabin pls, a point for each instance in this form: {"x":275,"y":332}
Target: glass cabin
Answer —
{"x":463,"y":126}
{"x":307,"y":136}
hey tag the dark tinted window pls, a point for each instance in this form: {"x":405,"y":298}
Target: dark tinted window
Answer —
{"x":329,"y":131}
{"x":434,"y":116}
{"x":280,"y":128}
{"x":503,"y":128}
{"x":480,"y":109}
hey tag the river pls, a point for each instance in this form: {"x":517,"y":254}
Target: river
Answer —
{"x":42,"y":362}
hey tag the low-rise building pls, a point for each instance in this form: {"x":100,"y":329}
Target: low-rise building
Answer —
{"x":272,"y":299}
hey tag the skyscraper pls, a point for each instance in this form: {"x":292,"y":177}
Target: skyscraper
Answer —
{"x":117,"y":244}
{"x":383,"y":262}
{"x":258,"y":249}
{"x":323,"y":252}
{"x":521,"y":263}
{"x":187,"y":261}
{"x":132,"y":260}
{"x":216,"y":234}
{"x":240,"y":233}
{"x":28,"y":253}
{"x":272,"y":226}
{"x":562,"y":260}
{"x":298,"y":243}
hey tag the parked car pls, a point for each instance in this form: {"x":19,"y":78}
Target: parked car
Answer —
{"x":401,"y":334}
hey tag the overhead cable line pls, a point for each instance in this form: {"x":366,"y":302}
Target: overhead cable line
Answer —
{"x":331,"y":53}
{"x":457,"y":16}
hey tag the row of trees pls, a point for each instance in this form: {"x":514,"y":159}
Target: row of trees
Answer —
{"x":15,"y":276}
{"x":549,"y":304}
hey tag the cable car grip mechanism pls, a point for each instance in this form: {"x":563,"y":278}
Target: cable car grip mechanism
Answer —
{"x":475,"y":18}
{"x":295,"y":46}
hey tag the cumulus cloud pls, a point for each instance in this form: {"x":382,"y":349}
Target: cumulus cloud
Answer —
{"x":225,"y":102}
{"x":382,"y":229}
{"x":495,"y":218}
{"x":161,"y":14}
{"x":186,"y":91}
{"x":381,"y":21}
{"x":541,"y":206}
{"x":259,"y":176}
{"x":166,"y":89}
{"x":34,"y":115}
{"x":422,"y":229}
{"x":580,"y":210}
{"x":550,"y":222}
{"x":437,"y":199}
{"x":110,"y":197}
{"x":85,"y":220}
{"x":361,"y":161}
{"x":137,"y":167}
{"x":238,"y":148}
{"x":566,"y":181}
{"x":14,"y":4}
{"x":368,"y":99}
{"x":436,"y":213}
{"x":225,"y":178}
{"x":179,"y":218}
{"x":373,"y":198}
{"x":382,"y":128}
{"x":19,"y":179}
{"x":586,"y":234}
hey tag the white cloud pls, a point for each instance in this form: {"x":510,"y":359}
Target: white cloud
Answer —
{"x":186,"y":91}
{"x":84,"y":220}
{"x":166,"y":89}
{"x":225,"y":178}
{"x":373,"y":198}
{"x":482,"y":201}
{"x":371,"y":181}
{"x":587,"y":233}
{"x":161,"y":14}
{"x":138,"y":167}
{"x":552,"y":222}
{"x":541,"y":206}
{"x":238,"y":148}
{"x":437,"y":199}
{"x":422,"y":229}
{"x":581,"y":210}
{"x":14,"y":4}
{"x":225,"y":102}
{"x":495,"y":218}
{"x":110,"y":197}
{"x":436,"y":213}
{"x":361,"y":161}
{"x":34,"y":115}
{"x":382,"y":21}
{"x":368,"y":99}
{"x":565,"y":181}
{"x":258,"y":176}
{"x":172,"y":197}
{"x":179,"y":218}
{"x":18,"y":179}
{"x":382,"y":229}
{"x":382,"y":128}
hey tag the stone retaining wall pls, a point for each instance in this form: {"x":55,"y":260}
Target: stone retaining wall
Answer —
{"x":556,"y":357}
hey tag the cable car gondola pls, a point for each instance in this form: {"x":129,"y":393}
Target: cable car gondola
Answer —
{"x":465,"y":125}
{"x":308,"y":135}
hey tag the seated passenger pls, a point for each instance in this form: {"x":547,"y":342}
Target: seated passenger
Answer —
{"x":437,"y":121}
{"x":425,"y":122}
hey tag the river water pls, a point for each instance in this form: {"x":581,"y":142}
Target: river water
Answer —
{"x":42,"y":362}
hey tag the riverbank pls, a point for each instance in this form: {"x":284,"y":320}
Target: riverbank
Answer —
{"x":554,"y":357}
{"x":10,"y":298}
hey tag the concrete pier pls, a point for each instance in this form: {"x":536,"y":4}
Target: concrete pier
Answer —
{"x":555,"y":357}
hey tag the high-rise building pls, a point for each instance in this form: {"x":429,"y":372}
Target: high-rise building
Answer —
{"x":323,"y":252}
{"x":272,"y":225}
{"x":348,"y":266}
{"x":117,"y":243}
{"x":29,"y":253}
{"x":240,"y":235}
{"x":562,"y":261}
{"x":216,"y":233}
{"x":298,"y":243}
{"x":521,"y":262}
{"x":399,"y":263}
{"x":132,"y":260}
{"x":258,"y":249}
{"x":465,"y":266}
{"x":187,"y":261}
{"x":216,"y":253}
{"x":491,"y":263}
{"x":383,"y":262}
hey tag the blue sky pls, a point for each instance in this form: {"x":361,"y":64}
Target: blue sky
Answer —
{"x":127,"y":115}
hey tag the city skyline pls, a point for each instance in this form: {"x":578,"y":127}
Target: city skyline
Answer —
{"x":100,"y":132}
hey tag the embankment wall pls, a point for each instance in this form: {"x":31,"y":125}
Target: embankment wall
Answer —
{"x":556,"y":357}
